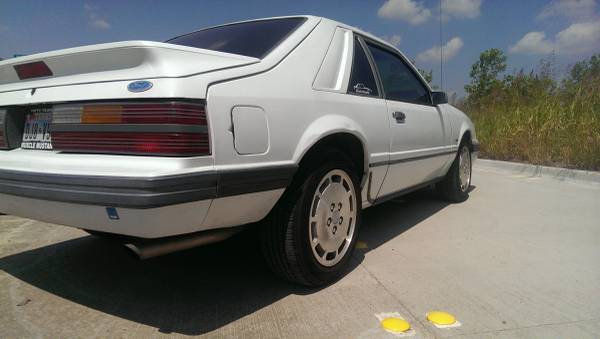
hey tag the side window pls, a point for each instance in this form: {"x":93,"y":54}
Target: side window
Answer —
{"x":399,"y":81}
{"x":362,"y":80}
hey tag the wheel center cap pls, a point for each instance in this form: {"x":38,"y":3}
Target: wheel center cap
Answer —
{"x":336,"y":217}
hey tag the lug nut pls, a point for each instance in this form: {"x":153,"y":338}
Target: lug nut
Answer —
{"x":341,"y":220}
{"x":328,"y":221}
{"x":332,"y":207}
{"x":339,"y":206}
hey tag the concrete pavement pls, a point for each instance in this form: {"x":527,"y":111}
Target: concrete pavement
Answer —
{"x":520,"y":258}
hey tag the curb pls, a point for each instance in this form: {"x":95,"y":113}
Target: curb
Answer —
{"x":541,"y":171}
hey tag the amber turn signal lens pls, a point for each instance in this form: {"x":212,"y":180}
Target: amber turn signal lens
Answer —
{"x":98,"y":114}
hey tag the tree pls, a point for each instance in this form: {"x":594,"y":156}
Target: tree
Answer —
{"x":582,"y":70}
{"x":484,"y":73}
{"x":428,"y":76}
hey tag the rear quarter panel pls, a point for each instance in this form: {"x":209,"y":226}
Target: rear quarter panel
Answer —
{"x":298,"y":116}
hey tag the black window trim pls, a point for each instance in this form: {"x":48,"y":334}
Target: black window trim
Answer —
{"x":403,"y":59}
{"x":372,"y":66}
{"x":304,"y":19}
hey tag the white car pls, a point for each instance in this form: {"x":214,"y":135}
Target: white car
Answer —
{"x":298,"y":122}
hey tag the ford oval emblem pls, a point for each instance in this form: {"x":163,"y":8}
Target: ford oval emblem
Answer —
{"x":139,"y":86}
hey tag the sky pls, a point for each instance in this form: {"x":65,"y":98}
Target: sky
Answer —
{"x":526,"y":30}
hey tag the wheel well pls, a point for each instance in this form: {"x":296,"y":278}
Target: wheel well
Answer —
{"x":347,"y":144}
{"x":467,"y":138}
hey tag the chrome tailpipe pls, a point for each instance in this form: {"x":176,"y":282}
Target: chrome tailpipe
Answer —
{"x":150,"y":248}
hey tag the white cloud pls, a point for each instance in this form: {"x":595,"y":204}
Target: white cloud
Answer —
{"x":450,"y":49}
{"x":579,"y":38}
{"x":532,"y":43}
{"x":100,"y":24}
{"x":576,"y":39}
{"x":95,"y":20}
{"x":394,"y":39}
{"x":461,"y":8}
{"x":410,"y":11}
{"x":576,"y":10}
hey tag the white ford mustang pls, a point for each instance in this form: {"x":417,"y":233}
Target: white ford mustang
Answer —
{"x":298,"y":122}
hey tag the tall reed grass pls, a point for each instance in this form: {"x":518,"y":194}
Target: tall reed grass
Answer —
{"x":531,"y":118}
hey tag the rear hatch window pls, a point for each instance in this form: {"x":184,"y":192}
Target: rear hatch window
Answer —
{"x":253,"y":38}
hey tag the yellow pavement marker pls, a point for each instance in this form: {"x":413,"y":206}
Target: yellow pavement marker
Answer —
{"x":395,"y":325}
{"x":442,"y":319}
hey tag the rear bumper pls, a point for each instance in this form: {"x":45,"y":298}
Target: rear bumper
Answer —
{"x":143,"y":192}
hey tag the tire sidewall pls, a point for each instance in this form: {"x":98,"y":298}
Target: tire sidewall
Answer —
{"x":466,"y":191}
{"x":301,"y":231}
{"x":459,"y":194}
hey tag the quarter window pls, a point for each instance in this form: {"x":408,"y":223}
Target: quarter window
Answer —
{"x":399,"y":81}
{"x":362,"y":80}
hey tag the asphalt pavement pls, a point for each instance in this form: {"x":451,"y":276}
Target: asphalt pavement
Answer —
{"x":519,"y":259}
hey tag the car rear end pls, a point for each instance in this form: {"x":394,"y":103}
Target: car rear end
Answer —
{"x":141,"y":167}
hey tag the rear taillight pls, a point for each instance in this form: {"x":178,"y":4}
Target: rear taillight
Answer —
{"x":3,"y":141}
{"x":173,"y":128}
{"x":11,"y":123}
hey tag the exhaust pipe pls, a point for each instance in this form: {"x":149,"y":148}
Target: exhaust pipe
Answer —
{"x":150,"y":248}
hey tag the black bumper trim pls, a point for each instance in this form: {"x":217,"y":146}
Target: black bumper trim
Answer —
{"x":476,"y":147}
{"x":144,"y":192}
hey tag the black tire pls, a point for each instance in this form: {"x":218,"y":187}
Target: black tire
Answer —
{"x":98,"y":234}
{"x":285,"y":233}
{"x":450,"y":187}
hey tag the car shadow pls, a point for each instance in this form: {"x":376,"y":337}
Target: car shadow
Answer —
{"x":191,"y":292}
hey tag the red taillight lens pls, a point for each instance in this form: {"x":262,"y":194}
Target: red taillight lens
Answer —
{"x":3,"y":131}
{"x":172,"y":113}
{"x":3,"y":144}
{"x":32,"y":70}
{"x":162,"y":128}
{"x":132,"y":143}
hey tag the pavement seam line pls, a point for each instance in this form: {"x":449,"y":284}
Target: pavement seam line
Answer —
{"x":524,"y":327}
{"x":398,"y":300}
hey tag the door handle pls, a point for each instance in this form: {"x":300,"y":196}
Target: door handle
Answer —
{"x":400,"y":117}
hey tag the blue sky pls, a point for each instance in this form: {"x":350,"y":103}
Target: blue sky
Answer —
{"x":525,"y":30}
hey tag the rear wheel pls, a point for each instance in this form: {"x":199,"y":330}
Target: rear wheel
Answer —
{"x":310,"y":236}
{"x":455,"y":185}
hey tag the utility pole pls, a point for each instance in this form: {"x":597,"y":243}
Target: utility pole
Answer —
{"x":441,"y":52}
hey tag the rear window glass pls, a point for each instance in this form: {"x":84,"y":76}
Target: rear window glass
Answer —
{"x":254,"y":38}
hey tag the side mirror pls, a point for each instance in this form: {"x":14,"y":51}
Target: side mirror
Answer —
{"x":439,"y":98}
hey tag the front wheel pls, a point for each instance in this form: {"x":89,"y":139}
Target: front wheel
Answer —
{"x":455,"y":185}
{"x":310,"y":236}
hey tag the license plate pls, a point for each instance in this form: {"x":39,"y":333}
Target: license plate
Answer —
{"x":36,"y":134}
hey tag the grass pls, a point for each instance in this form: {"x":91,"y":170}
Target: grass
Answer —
{"x":538,"y":123}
